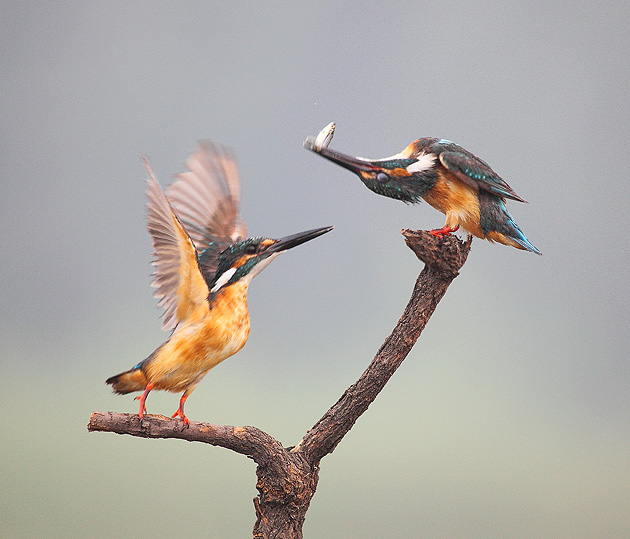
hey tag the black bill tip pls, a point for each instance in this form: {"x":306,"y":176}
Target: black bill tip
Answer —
{"x":288,"y":242}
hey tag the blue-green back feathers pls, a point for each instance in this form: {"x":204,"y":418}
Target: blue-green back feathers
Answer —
{"x":474,"y":172}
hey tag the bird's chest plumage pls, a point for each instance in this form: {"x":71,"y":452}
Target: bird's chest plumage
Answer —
{"x":456,"y":200}
{"x":203,"y":342}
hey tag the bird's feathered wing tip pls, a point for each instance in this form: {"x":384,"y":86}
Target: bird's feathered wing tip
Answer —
{"x":178,"y":280}
{"x":206,"y":196}
{"x":476,"y":173}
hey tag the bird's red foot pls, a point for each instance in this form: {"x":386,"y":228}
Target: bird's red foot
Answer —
{"x":180,"y":413}
{"x":142,"y":398}
{"x":444,"y":231}
{"x":180,"y":410}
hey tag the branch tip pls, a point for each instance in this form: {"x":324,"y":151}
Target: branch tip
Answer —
{"x":441,"y":254}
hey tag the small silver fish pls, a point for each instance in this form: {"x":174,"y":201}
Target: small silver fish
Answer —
{"x":322,"y":140}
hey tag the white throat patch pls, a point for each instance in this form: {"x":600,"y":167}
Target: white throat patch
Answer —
{"x":261,"y":266}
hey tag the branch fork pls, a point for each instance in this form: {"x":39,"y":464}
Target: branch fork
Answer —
{"x":287,"y":477}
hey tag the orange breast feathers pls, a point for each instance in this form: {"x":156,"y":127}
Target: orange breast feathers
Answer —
{"x":201,"y":343}
{"x":457,"y":201}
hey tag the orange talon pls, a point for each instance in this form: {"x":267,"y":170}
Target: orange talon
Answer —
{"x":143,"y":398}
{"x":444,"y":231}
{"x":180,"y":410}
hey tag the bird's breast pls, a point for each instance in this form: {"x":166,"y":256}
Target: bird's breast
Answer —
{"x":457,"y":201}
{"x":196,"y":347}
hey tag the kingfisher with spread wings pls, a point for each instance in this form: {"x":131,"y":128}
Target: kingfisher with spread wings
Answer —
{"x":203,"y":267}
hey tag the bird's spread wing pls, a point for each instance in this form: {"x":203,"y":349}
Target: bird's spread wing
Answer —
{"x":178,"y":280}
{"x":477,"y":174}
{"x":206,"y":198}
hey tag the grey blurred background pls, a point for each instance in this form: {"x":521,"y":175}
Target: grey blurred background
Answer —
{"x":511,"y":416}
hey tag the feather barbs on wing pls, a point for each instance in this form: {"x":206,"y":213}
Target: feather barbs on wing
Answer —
{"x":206,"y":197}
{"x":477,"y":174}
{"x":192,"y":292}
{"x":199,"y":215}
{"x":178,"y":280}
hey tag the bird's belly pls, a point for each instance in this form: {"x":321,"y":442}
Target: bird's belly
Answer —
{"x":195,"y":349}
{"x":457,"y":201}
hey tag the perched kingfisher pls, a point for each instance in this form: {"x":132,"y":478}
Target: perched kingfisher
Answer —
{"x":448,"y":177}
{"x":203,"y":267}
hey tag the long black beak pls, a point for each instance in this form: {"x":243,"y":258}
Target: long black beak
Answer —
{"x":354,"y":164}
{"x":288,"y":242}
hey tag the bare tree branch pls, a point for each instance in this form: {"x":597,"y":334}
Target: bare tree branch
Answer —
{"x":442,"y":258}
{"x":287,"y":477}
{"x":249,"y":441}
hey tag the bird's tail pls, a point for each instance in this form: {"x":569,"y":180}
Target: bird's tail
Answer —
{"x":128,"y":381}
{"x":523,"y":242}
{"x":512,"y":231}
{"x":516,"y":234}
{"x":502,"y":228}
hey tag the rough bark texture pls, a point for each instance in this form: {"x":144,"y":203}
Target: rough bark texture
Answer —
{"x":287,"y":477}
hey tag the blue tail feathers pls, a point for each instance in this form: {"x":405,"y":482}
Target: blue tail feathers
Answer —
{"x":514,"y":232}
{"x":522,"y":240}
{"x":496,"y":218}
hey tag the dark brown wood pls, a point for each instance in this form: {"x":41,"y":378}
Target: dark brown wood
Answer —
{"x":442,"y":257}
{"x":249,"y":441}
{"x":287,"y":477}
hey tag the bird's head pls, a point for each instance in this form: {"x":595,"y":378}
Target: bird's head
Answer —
{"x":243,"y":260}
{"x":406,"y":176}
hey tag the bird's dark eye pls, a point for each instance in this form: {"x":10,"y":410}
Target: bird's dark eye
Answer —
{"x":250,"y":249}
{"x":382,"y":177}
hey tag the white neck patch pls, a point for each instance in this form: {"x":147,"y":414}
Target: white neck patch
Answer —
{"x":425,"y":162}
{"x":225,"y":277}
{"x":223,"y":280}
